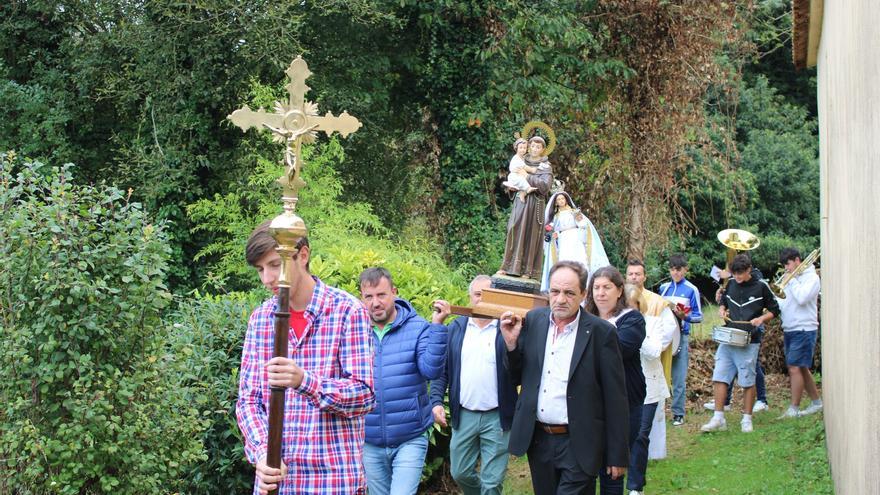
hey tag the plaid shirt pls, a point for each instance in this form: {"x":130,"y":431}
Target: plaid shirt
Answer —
{"x":323,"y":434}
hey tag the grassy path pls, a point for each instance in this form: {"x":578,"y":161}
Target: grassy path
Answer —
{"x":779,"y":457}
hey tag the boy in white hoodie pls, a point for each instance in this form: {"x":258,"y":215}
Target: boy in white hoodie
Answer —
{"x":800,"y":324}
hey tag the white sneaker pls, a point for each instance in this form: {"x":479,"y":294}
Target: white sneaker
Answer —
{"x":760,"y":406}
{"x":791,"y":412}
{"x":746,"y":426}
{"x":813,"y":408}
{"x":711,"y":406}
{"x":715,"y":424}
{"x":636,"y":492}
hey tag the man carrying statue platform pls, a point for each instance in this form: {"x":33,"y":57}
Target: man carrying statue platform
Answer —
{"x":482,"y":397}
{"x":572,"y":416}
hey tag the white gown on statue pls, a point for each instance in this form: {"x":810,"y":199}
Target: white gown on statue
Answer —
{"x":575,"y":241}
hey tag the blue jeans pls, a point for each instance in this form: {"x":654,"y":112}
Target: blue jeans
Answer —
{"x":679,"y":377}
{"x":608,"y":486}
{"x":638,"y":454}
{"x":396,"y":470}
{"x":479,"y":434}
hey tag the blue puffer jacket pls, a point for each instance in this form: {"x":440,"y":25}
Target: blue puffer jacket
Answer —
{"x":411,"y":353}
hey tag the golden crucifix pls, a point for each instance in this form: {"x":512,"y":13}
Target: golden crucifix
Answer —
{"x":292,"y":123}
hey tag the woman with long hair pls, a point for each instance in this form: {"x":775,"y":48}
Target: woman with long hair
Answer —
{"x":606,"y":298}
{"x":660,"y":332}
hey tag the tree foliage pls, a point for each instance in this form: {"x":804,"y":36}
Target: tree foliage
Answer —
{"x":206,"y":335}
{"x":136,"y":92}
{"x":761,"y":172}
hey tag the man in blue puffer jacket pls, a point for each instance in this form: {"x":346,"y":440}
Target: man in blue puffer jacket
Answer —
{"x":407,"y":353}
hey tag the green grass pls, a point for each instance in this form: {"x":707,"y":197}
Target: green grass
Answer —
{"x":701,"y":331}
{"x":779,"y":457}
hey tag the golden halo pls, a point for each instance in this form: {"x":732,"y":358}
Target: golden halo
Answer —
{"x":551,"y":136}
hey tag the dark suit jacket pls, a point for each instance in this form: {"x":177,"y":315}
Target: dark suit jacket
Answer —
{"x":452,"y":377}
{"x":598,"y":414}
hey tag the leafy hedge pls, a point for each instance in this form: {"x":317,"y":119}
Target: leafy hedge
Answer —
{"x":89,"y":401}
{"x":206,"y":335}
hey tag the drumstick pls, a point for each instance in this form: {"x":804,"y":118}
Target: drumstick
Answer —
{"x":737,"y":321}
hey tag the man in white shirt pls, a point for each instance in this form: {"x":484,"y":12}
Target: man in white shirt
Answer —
{"x":482,"y":397}
{"x":572,"y":417}
{"x":800,"y":323}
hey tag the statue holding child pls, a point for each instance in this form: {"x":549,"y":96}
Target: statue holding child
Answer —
{"x":523,"y":250}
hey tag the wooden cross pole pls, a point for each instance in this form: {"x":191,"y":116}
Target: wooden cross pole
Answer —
{"x":293,"y":123}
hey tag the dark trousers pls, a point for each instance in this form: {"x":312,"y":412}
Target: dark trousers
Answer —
{"x":608,"y":486}
{"x":554,"y":469}
{"x":638,"y":454}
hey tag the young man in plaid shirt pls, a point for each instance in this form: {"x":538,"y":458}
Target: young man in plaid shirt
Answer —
{"x":328,"y":374}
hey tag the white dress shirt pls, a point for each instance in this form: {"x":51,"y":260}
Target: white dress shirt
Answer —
{"x":552,"y":403}
{"x":478,"y":379}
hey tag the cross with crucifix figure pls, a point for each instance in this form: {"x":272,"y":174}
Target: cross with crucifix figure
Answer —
{"x":294,"y":123}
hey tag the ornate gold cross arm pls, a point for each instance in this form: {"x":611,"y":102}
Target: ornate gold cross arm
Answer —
{"x":244,"y":118}
{"x":344,"y":124}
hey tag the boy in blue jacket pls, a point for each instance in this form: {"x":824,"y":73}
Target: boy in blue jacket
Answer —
{"x":407,"y":353}
{"x":686,"y":298}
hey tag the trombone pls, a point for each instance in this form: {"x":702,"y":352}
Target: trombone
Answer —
{"x":782,"y":279}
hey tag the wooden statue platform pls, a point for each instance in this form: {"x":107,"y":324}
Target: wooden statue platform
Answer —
{"x":525,"y":296}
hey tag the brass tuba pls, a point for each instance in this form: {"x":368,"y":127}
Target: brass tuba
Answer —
{"x":736,"y":240}
{"x":782,"y":279}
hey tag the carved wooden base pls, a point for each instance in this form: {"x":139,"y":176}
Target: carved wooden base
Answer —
{"x":496,"y":301}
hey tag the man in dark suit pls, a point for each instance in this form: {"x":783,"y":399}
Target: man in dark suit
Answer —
{"x":481,"y":397}
{"x":572,"y":414}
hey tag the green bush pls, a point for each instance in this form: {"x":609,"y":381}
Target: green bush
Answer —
{"x":88,"y":400}
{"x":206,"y":336}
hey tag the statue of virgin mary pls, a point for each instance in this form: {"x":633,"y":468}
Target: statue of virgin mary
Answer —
{"x":570,"y":236}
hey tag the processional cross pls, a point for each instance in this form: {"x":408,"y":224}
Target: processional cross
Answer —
{"x":293,"y":123}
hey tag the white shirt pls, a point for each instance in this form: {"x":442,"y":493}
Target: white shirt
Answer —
{"x":800,"y":308}
{"x":478,"y":379}
{"x":552,"y":403}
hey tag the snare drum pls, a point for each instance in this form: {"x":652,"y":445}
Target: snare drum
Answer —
{"x":731,"y":336}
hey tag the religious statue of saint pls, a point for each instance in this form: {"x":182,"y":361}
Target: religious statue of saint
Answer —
{"x":523,"y":250}
{"x":571,"y":236}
